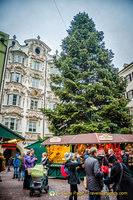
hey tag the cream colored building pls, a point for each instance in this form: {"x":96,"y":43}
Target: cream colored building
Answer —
{"x":27,"y":89}
{"x":127,"y":72}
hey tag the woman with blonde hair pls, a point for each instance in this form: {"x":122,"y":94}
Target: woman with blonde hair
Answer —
{"x":45,"y":163}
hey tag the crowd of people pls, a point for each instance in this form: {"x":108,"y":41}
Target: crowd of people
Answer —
{"x":101,"y":170}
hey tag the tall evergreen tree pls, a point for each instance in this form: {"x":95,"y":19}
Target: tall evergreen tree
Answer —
{"x":90,"y":90}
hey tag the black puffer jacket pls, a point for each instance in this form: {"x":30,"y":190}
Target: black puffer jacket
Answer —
{"x":126,"y":184}
{"x":73,"y":179}
{"x":125,"y":158}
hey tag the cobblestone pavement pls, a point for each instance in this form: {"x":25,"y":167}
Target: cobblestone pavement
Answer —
{"x":12,"y":189}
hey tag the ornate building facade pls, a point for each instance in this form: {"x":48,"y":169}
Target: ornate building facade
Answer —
{"x":127,"y":72}
{"x":27,"y":89}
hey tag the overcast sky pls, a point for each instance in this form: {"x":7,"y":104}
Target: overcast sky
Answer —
{"x":29,"y":18}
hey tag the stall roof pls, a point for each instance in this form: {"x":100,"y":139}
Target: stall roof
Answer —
{"x":7,"y":133}
{"x":90,"y":138}
{"x":33,"y":145}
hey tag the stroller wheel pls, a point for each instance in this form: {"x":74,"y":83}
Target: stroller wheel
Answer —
{"x":31,"y":194}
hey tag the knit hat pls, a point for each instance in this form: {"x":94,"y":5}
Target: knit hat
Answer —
{"x":68,"y":156}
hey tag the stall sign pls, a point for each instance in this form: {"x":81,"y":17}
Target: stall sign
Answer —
{"x":55,"y":139}
{"x":8,"y":146}
{"x":105,"y":137}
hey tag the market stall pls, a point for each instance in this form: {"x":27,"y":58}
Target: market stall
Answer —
{"x":9,"y":140}
{"x":57,"y":146}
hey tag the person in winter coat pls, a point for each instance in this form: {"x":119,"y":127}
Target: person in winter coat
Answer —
{"x":124,"y":157}
{"x":102,"y":159}
{"x":111,"y":154}
{"x":21,"y":167}
{"x":9,"y":164}
{"x":86,"y":154}
{"x":16,"y":163}
{"x":28,"y":163}
{"x":45,"y":162}
{"x":94,"y":175}
{"x":126,"y":184}
{"x":73,"y":178}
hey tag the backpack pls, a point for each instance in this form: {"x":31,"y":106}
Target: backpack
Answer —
{"x":64,"y":171}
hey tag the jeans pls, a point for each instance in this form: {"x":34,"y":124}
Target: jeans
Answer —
{"x":22,"y":174}
{"x":8,"y":168}
{"x":15,"y":171}
{"x":94,"y":197}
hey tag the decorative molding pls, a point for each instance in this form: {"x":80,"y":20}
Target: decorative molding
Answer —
{"x":32,"y":135}
{"x":15,"y":87}
{"x":12,"y":110}
{"x":35,"y":92}
{"x":35,"y":115}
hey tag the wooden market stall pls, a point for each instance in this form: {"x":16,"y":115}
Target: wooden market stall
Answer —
{"x":9,"y":139}
{"x":57,"y":146}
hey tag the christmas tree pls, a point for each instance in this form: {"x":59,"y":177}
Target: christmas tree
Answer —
{"x":90,"y":91}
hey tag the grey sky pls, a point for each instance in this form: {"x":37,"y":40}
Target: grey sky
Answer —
{"x":29,"y":18}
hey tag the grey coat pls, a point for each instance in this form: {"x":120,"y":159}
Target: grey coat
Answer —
{"x":94,"y":174}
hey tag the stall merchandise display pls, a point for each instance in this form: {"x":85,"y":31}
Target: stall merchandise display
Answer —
{"x":56,"y":153}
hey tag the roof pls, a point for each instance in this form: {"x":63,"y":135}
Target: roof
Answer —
{"x":29,"y":40}
{"x":33,"y":145}
{"x":125,"y":67}
{"x":7,"y":133}
{"x":90,"y":138}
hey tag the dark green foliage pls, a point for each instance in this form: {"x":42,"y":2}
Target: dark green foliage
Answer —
{"x":90,"y":90}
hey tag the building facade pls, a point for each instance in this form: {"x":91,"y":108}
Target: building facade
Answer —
{"x":27,"y":89}
{"x":127,"y":72}
{"x":3,"y":53}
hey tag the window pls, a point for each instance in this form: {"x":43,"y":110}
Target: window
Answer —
{"x":11,"y":123}
{"x":35,"y":83}
{"x":54,"y":70}
{"x":129,"y":78}
{"x":32,"y":126}
{"x":37,"y":50}
{"x":33,"y":105}
{"x":36,"y":66}
{"x":16,"y":77}
{"x":130,"y":94}
{"x":13,"y":99}
{"x":18,"y":58}
{"x":51,"y":105}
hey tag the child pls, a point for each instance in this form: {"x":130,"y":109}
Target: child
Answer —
{"x":21,"y":167}
{"x":16,"y":163}
{"x":9,"y":164}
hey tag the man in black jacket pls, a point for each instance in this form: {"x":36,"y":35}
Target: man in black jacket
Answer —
{"x":94,"y":175}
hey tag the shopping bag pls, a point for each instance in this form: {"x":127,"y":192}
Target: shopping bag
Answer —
{"x":85,"y":182}
{"x":105,"y":193}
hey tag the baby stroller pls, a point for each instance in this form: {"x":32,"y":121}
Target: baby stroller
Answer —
{"x":38,"y":175}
